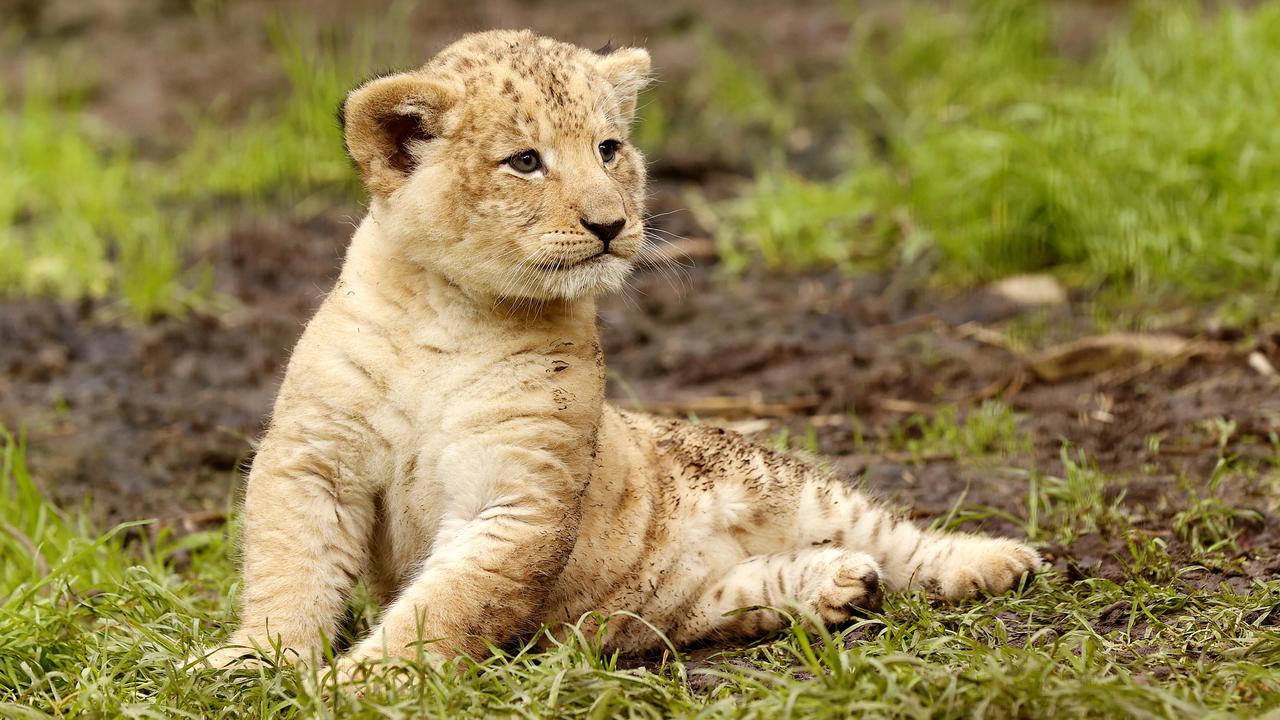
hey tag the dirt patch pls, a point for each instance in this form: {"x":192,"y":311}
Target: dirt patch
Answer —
{"x":154,"y":420}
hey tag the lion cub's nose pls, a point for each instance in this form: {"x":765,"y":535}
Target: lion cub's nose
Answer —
{"x":605,"y":231}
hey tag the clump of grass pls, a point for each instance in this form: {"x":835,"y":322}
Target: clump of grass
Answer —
{"x":79,"y":215}
{"x":1210,"y":523}
{"x":752,"y":112}
{"x":807,"y":442}
{"x":787,"y":221}
{"x":989,"y":429}
{"x":1075,"y":503}
{"x":82,"y":216}
{"x":296,"y":149}
{"x":746,"y":99}
{"x":1151,"y":166}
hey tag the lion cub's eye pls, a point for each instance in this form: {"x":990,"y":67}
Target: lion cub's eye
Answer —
{"x":609,"y":150}
{"x":525,"y":162}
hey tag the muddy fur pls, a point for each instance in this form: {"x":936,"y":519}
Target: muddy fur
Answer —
{"x":442,"y":430}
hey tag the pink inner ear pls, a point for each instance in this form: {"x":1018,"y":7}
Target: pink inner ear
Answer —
{"x":403,"y":129}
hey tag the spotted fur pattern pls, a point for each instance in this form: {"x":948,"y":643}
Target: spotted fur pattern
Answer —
{"x":442,"y":433}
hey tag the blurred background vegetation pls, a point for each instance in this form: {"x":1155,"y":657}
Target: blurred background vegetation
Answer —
{"x":962,"y":138}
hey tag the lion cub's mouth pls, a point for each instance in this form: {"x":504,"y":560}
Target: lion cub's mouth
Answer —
{"x":585,"y":262}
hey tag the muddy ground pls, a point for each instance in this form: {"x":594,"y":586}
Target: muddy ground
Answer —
{"x":154,"y":420}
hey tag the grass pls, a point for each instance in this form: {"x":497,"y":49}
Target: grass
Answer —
{"x":987,"y":431}
{"x":1150,"y":166}
{"x":1210,"y":523}
{"x":1075,"y":503}
{"x":991,"y":429}
{"x":296,"y":149}
{"x":102,"y":625}
{"x":726,"y":113}
{"x":81,"y":215}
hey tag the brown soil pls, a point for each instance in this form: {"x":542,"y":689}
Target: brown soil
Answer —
{"x":152,"y":421}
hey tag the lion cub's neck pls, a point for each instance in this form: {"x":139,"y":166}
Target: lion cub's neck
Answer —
{"x":415,"y":293}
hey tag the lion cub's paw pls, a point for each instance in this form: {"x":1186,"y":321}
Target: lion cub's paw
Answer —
{"x":228,"y":657}
{"x":348,"y":676}
{"x":851,"y":583}
{"x":984,"y":565}
{"x":355,"y":673}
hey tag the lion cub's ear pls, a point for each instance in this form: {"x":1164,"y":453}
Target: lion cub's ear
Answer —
{"x":627,"y":69}
{"x":386,"y":120}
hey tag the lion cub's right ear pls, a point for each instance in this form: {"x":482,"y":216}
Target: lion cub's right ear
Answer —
{"x":386,"y":120}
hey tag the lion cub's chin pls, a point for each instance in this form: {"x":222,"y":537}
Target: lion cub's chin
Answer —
{"x":597,"y":276}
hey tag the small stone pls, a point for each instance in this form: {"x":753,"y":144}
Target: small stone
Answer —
{"x":1030,"y":290}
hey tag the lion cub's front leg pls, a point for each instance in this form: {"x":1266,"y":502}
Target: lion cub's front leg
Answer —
{"x":306,"y":535}
{"x":506,"y":534}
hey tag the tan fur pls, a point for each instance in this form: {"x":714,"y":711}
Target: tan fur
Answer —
{"x":442,"y":430}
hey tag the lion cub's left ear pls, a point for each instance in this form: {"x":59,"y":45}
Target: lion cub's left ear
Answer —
{"x":627,"y":69}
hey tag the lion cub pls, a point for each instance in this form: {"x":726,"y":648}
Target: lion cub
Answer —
{"x":442,"y":431}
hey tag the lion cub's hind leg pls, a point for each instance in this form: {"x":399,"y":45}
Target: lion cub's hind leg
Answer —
{"x":829,"y":583}
{"x":954,"y":566}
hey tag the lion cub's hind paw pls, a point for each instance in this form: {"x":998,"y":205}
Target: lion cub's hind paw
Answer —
{"x":985,"y":566}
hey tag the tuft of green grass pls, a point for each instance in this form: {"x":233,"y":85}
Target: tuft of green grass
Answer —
{"x":787,"y":221}
{"x":81,"y":215}
{"x":726,"y":113}
{"x":105,"y":625}
{"x":288,"y":152}
{"x":1152,"y":166}
{"x":807,"y":443}
{"x":1210,"y":523}
{"x":987,"y":430}
{"x":1074,"y":504}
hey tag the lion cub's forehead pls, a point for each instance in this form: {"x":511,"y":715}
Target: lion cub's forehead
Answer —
{"x":526,"y":75}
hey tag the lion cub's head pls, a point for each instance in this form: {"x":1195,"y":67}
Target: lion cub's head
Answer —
{"x":504,"y":163}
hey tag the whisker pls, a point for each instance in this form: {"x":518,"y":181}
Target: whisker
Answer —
{"x":677,"y":256}
{"x":661,"y":215}
{"x":673,"y":271}
{"x":672,"y":257}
